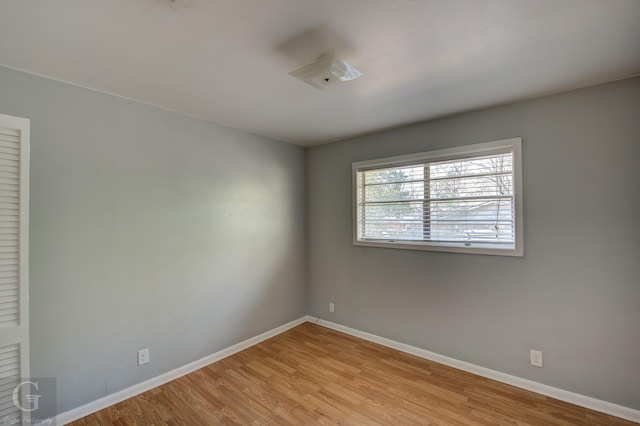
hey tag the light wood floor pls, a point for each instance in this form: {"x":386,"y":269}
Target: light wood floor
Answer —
{"x":313,"y":375}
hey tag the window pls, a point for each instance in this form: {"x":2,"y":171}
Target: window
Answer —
{"x":466,"y":199}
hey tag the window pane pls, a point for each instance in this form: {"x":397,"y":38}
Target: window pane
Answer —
{"x":489,"y":221}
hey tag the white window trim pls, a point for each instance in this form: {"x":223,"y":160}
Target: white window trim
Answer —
{"x":441,"y":155}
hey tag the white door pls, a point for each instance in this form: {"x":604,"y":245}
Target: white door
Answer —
{"x":14,"y":260}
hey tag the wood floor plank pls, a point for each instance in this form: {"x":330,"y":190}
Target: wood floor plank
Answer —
{"x":311,"y":375}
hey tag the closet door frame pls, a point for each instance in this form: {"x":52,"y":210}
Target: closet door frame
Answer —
{"x":12,"y":127}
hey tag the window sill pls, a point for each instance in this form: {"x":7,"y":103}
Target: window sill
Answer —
{"x":418,"y":245}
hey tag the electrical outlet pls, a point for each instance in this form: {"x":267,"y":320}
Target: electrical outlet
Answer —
{"x":536,"y":358}
{"x":143,"y":356}
{"x":332,"y":307}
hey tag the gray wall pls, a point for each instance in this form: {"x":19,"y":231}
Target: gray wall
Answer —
{"x":150,"y":229}
{"x":576,"y":293}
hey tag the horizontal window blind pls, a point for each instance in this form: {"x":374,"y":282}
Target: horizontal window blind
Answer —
{"x":468,"y":201}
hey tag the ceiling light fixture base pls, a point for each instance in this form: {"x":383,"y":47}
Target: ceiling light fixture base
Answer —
{"x":327,"y":71}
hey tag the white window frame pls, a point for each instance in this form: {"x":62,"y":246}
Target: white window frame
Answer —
{"x":468,"y":151}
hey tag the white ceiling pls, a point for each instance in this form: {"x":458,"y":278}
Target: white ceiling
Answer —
{"x":228,"y":60}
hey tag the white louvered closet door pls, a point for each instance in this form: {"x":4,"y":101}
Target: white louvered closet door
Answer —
{"x":14,"y":256}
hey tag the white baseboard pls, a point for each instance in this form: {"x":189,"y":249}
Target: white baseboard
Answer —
{"x":563,"y":395}
{"x":114,"y":398}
